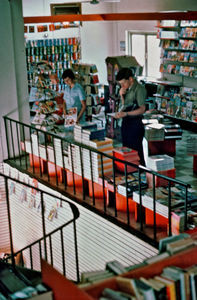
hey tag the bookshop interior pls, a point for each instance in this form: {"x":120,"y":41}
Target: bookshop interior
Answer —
{"x":80,"y":217}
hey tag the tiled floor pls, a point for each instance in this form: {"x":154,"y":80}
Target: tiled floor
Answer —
{"x":184,"y":162}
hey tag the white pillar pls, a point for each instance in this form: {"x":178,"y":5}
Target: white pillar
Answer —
{"x":13,"y":75}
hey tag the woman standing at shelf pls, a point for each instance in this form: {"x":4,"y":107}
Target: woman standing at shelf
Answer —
{"x":133,"y":97}
{"x":74,"y":95}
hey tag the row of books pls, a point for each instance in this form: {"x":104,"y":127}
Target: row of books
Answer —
{"x":175,"y":23}
{"x":59,"y":53}
{"x":178,"y":107}
{"x":55,"y":52}
{"x":94,"y":163}
{"x":58,"y":42}
{"x":180,"y":56}
{"x":172,"y":282}
{"x":168,"y":34}
{"x":190,"y":71}
{"x":85,"y":69}
{"x":112,"y":268}
{"x":87,"y":76}
{"x":188,"y":32}
{"x":177,"y":205}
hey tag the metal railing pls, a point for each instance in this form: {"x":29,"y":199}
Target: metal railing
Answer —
{"x":46,"y":244}
{"x":52,"y":151}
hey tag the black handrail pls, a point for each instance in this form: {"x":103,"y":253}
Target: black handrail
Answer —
{"x":72,"y":220}
{"x":80,"y":147}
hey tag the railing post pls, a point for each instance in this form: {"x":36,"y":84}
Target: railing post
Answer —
{"x":6,"y":133}
{"x":9,"y":222}
{"x":76,"y":251}
{"x":186,"y":202}
{"x":154,"y":209}
{"x":169,"y":209}
{"x":43,"y":225}
{"x":140,"y":200}
{"x":92,"y":176}
{"x":126,"y":183}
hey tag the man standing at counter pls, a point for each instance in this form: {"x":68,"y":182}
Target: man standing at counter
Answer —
{"x":133,"y":96}
{"x":74,"y":95}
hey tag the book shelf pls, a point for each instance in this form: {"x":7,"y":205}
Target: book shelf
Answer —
{"x":46,"y":61}
{"x":60,"y":285}
{"x":60,"y":53}
{"x":183,"y":259}
{"x":87,"y":76}
{"x":175,"y":101}
{"x":179,"y":48}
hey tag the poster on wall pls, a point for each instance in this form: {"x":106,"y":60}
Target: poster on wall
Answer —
{"x":122,"y":45}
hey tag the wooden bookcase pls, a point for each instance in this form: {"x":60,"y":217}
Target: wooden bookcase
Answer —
{"x":183,"y":259}
{"x":62,"y":286}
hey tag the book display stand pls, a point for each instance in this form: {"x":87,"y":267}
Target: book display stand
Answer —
{"x":87,"y":76}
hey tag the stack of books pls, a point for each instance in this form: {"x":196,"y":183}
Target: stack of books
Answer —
{"x":192,"y":145}
{"x":126,"y":154}
{"x":173,"y":131}
{"x":92,"y":134}
{"x":177,"y":200}
{"x":160,"y":162}
{"x":92,"y":161}
{"x":79,"y":127}
{"x":154,"y":132}
{"x":112,"y":268}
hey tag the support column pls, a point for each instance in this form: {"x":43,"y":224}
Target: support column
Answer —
{"x":13,"y":75}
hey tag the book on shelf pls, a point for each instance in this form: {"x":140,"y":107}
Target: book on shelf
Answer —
{"x":180,"y":245}
{"x":169,"y":23}
{"x":116,"y":295}
{"x":177,"y":222}
{"x":159,"y":288}
{"x":116,"y":267}
{"x":170,"y":286}
{"x":192,"y":277}
{"x":179,"y":275}
{"x":128,"y":285}
{"x":157,"y":257}
{"x":170,"y":239}
{"x":95,"y":276}
{"x":169,"y":34}
{"x":94,"y":79}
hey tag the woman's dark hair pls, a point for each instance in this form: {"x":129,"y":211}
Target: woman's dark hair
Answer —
{"x":68,"y":73}
{"x":124,"y":73}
